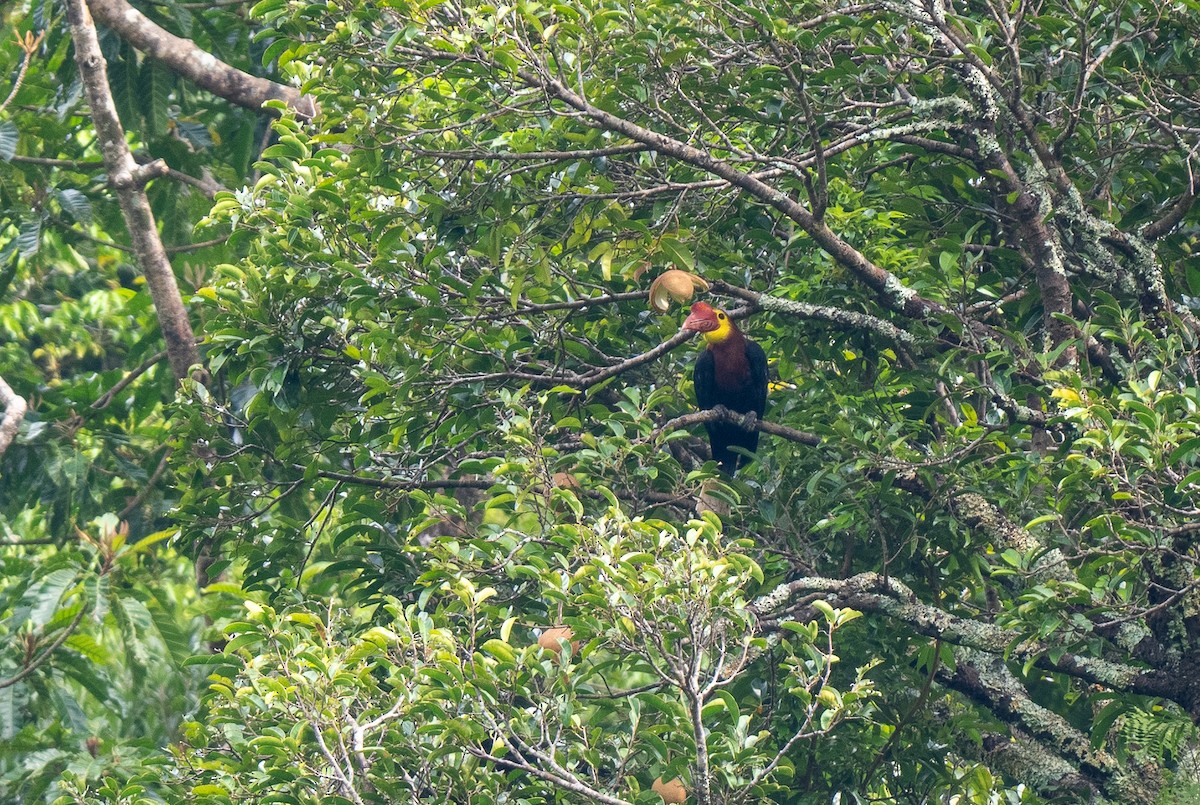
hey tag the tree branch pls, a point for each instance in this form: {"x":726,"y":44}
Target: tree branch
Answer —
{"x":987,"y":680}
{"x":196,"y":65}
{"x":28,"y":45}
{"x":844,"y":318}
{"x":40,"y":660}
{"x":1172,"y":217}
{"x":1044,"y":251}
{"x":151,"y":482}
{"x":520,"y":156}
{"x":891,"y":291}
{"x":207,"y":185}
{"x":1017,"y":754}
{"x":732,"y":418}
{"x":874,"y":593}
{"x":107,"y":397}
{"x":127,"y":179}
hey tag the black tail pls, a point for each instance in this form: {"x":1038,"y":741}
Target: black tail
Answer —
{"x":722,"y":437}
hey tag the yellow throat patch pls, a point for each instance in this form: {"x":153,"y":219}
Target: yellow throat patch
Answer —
{"x":723,"y":331}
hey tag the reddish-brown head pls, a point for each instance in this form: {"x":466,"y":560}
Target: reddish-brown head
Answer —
{"x":702,"y":319}
{"x":713,"y":322}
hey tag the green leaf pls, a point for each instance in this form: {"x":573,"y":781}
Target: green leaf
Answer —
{"x":822,"y":606}
{"x":1189,"y":449}
{"x":29,"y":237}
{"x":678,"y":253}
{"x":75,"y":204}
{"x":10,"y":137}
{"x":500,"y":650}
{"x":45,"y":596}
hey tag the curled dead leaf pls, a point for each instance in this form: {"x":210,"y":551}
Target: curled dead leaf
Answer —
{"x":674,"y":284}
{"x":565,"y":480}
{"x":672,"y":791}
{"x":552,"y":639}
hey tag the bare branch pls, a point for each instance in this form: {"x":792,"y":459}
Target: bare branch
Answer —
{"x":206,"y":185}
{"x":107,"y":397}
{"x":731,"y":418}
{"x":891,"y":291}
{"x":127,"y":179}
{"x":196,"y":65}
{"x":1173,"y":215}
{"x":520,"y":156}
{"x":151,"y":482}
{"x":600,"y":375}
{"x":38,"y":661}
{"x":556,"y":775}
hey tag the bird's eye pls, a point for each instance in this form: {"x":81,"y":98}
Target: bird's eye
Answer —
{"x":720,"y":315}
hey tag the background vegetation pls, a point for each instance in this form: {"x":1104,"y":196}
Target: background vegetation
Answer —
{"x":345,"y":457}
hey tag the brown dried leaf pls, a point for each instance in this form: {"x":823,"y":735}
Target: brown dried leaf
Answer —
{"x":672,"y":791}
{"x":552,"y":639}
{"x":674,"y":284}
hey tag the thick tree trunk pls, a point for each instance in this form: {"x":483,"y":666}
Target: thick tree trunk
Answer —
{"x":128,"y":181}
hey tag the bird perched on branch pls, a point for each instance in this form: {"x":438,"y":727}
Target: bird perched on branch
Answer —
{"x":732,"y":373}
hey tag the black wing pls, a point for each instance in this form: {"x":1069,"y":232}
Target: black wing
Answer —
{"x":704,"y":375}
{"x":757,"y":392}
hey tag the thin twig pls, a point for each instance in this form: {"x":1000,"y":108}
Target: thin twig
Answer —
{"x":40,"y":659}
{"x":29,"y":44}
{"x":148,"y":487}
{"x":145,"y":366}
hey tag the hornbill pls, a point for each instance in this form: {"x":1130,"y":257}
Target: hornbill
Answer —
{"x":732,"y":373}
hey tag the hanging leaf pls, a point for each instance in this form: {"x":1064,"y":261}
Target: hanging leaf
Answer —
{"x":154,"y":97}
{"x":195,"y":133}
{"x":76,"y":205}
{"x":29,"y":237}
{"x":9,"y":137}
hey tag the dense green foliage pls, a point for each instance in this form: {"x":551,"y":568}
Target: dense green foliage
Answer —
{"x":440,"y":412}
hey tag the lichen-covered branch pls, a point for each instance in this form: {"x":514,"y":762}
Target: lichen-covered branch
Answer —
{"x":986,"y":680}
{"x":1021,"y":757}
{"x":1041,"y":244}
{"x":844,"y":318}
{"x":876,"y":594}
{"x":1089,"y":229}
{"x":974,"y":510}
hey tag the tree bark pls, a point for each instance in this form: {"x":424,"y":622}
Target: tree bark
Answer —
{"x":988,"y":681}
{"x":197,"y":65}
{"x":128,"y":181}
